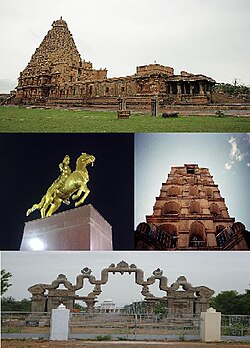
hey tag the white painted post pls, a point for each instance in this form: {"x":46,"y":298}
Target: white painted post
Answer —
{"x":210,"y":330}
{"x":59,"y":326}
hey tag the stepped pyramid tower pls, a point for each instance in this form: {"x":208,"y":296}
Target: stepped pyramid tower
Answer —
{"x":57,"y":75}
{"x":190,"y":214}
{"x":55,"y":64}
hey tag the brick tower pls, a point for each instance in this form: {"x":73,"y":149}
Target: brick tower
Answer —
{"x":190,"y":214}
{"x":55,"y":63}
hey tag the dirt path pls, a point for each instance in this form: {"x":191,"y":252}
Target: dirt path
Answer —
{"x":116,"y":344}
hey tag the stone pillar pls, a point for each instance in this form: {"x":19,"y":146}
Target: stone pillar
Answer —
{"x":170,"y":88}
{"x":210,"y":330}
{"x":154,"y":106}
{"x":179,"y":88}
{"x":201,"y":88}
{"x":150,"y":305}
{"x":59,"y":328}
{"x":211,"y":239}
{"x":119,"y":103}
{"x":90,"y":302}
{"x":38,"y":303}
{"x":184,"y":88}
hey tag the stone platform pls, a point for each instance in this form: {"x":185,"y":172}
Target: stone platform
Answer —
{"x":81,"y":228}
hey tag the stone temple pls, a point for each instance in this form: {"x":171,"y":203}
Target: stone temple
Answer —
{"x":57,"y":76}
{"x":190,"y":214}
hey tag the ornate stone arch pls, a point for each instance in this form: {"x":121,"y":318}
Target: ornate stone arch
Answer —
{"x":209,"y":192}
{"x":197,"y":234}
{"x":169,"y":228}
{"x":170,"y":208}
{"x":171,"y":235}
{"x":195,"y":207}
{"x":202,"y":294}
{"x":215,"y":210}
{"x":173,"y":191}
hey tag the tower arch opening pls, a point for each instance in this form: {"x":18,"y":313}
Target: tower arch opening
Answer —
{"x":171,"y":237}
{"x":174,"y":191}
{"x":215,"y":210}
{"x":197,"y":234}
{"x":171,"y":208}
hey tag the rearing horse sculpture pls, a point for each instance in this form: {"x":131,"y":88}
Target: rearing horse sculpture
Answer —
{"x":68,"y":185}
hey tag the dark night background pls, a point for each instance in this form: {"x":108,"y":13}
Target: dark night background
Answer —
{"x":29,"y":165}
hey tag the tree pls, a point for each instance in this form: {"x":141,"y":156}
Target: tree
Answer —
{"x":79,"y":308}
{"x":230,"y":302}
{"x":234,"y":89}
{"x":9,"y":304}
{"x":160,"y":309}
{"x":244,"y":303}
{"x":5,"y":276}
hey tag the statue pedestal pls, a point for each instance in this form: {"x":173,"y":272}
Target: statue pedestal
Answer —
{"x":80,"y":228}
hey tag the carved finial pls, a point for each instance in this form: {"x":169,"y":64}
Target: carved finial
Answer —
{"x":182,"y":279}
{"x":61,"y":276}
{"x":122,"y":264}
{"x":86,"y":270}
{"x":158,"y":272}
{"x":133,"y":266}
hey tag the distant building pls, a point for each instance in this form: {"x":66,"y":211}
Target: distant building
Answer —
{"x":57,"y":75}
{"x":190,"y":214}
{"x":108,"y":306}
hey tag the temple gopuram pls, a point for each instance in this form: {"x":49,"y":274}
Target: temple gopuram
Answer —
{"x":190,"y":214}
{"x":57,"y":76}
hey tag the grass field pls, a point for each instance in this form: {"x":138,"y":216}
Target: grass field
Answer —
{"x":18,"y":119}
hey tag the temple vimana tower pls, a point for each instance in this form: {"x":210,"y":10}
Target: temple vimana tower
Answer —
{"x":190,"y":214}
{"x":57,"y":75}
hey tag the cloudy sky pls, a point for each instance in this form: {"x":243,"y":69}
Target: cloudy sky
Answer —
{"x":227,"y":156}
{"x":217,"y":270}
{"x":208,"y":37}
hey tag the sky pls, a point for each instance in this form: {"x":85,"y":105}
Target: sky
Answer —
{"x":202,"y":37}
{"x":30,"y":164}
{"x":219,"y":271}
{"x":226,"y":155}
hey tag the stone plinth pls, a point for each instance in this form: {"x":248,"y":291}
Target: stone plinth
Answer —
{"x":59,"y":328}
{"x":210,"y":330}
{"x":81,"y":228}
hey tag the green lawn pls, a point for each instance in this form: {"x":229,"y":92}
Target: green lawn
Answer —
{"x":17,"y":119}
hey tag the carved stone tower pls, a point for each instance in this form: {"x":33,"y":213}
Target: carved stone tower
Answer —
{"x":55,"y":63}
{"x":190,"y":214}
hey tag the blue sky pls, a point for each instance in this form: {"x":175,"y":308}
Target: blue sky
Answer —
{"x":226,"y":155}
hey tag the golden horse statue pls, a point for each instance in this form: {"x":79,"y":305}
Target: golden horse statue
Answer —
{"x":67,"y":185}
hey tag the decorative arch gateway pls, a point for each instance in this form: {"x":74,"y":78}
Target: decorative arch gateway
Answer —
{"x":190,"y":300}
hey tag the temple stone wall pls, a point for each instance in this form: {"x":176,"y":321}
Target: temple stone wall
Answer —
{"x":57,"y":75}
